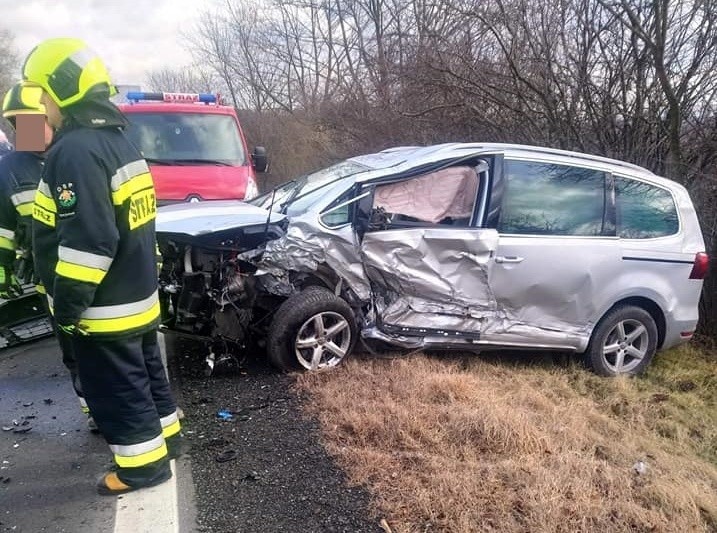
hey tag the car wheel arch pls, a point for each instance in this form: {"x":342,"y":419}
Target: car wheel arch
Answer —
{"x":658,"y":315}
{"x":623,"y":342}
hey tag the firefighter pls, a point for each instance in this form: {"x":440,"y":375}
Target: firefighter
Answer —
{"x":94,"y":243}
{"x":19,"y":175}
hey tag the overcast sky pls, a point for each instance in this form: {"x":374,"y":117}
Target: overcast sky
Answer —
{"x":131,"y":36}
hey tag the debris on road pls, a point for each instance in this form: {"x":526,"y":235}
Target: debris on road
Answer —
{"x":251,"y":476}
{"x":226,"y":455}
{"x":225,"y":414}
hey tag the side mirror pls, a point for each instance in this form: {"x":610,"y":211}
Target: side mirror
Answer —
{"x":259,"y":160}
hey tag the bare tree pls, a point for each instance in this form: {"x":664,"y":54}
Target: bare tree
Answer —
{"x":631,"y":79}
{"x":193,"y":79}
{"x":9,"y":69}
{"x":681,"y":39}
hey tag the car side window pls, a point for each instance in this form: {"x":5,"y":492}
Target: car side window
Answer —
{"x":444,"y":197}
{"x":549,"y":199}
{"x":644,"y":211}
{"x":340,"y":212}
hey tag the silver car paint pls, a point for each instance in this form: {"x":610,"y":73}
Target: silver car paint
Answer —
{"x":552,"y":298}
{"x":212,"y":216}
{"x":307,"y":245}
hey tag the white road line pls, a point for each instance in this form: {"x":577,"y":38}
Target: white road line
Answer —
{"x":152,"y":510}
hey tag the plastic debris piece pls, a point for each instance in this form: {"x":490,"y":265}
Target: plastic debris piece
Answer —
{"x":253,"y":476}
{"x":640,"y":468}
{"x":27,"y":404}
{"x":225,"y":414}
{"x":24,"y":429}
{"x":7,"y":428}
{"x":16,"y":445}
{"x":226,"y":455}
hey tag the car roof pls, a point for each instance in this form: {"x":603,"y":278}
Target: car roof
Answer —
{"x":401,"y":158}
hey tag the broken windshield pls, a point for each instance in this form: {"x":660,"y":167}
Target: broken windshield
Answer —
{"x":280,"y":197}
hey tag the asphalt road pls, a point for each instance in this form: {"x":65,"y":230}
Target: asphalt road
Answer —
{"x":257,"y":461}
{"x":260,"y":470}
{"x":49,"y":461}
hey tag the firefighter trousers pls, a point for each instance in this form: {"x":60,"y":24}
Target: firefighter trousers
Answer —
{"x":126,"y":388}
{"x":68,"y":358}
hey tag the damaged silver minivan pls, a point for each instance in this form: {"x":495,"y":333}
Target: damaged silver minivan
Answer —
{"x":465,"y":246}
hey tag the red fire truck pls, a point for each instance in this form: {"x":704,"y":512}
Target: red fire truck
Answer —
{"x":194,"y":145}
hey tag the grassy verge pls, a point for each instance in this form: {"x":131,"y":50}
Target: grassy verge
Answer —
{"x":477,"y":443}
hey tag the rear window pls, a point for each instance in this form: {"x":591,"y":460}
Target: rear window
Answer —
{"x":644,"y":211}
{"x":188,"y":137}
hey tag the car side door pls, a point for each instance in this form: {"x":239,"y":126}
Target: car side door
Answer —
{"x":556,"y":254}
{"x":425,"y":257}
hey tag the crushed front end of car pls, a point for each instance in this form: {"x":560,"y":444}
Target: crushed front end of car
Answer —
{"x":209,"y":257}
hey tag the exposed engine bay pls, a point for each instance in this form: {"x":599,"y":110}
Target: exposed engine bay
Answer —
{"x":207,"y":287}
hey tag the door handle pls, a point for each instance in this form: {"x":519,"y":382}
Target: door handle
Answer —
{"x":508,"y":259}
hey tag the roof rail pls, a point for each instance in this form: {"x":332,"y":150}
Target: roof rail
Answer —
{"x":577,"y":155}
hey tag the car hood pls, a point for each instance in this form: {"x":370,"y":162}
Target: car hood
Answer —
{"x":204,"y":218}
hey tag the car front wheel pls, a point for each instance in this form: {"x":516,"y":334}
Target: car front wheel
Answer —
{"x":623,"y":342}
{"x":312,"y":330}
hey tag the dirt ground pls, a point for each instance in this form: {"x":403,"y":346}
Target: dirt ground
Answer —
{"x":259,"y":467}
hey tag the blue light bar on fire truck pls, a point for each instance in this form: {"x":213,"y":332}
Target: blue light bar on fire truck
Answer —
{"x":188,"y":98}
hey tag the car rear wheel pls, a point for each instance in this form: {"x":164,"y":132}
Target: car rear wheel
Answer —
{"x":623,"y":342}
{"x":312,"y":330}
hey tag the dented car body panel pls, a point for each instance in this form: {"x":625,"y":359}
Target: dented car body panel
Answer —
{"x":457,"y":245}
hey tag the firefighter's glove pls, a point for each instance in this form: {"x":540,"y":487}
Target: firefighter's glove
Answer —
{"x":9,"y":285}
{"x":74,"y":330}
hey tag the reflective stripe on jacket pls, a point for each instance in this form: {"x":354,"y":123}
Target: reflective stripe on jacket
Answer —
{"x":94,"y":214}
{"x":19,"y":175}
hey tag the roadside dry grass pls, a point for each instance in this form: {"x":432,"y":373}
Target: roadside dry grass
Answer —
{"x":478,"y":443}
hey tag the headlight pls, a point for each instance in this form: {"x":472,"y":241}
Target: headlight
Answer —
{"x":251,"y":189}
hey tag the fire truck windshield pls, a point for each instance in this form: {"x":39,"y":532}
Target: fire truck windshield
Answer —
{"x":187,"y":138}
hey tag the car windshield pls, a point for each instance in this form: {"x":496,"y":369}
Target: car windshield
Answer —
{"x":187,"y":138}
{"x":285,"y":194}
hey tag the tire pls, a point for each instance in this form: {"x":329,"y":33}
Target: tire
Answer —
{"x":623,"y":342}
{"x":293,"y":343}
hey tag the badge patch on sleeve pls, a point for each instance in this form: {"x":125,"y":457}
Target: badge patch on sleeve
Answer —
{"x":66,"y":199}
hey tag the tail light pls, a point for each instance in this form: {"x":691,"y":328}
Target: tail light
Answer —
{"x":700,"y":266}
